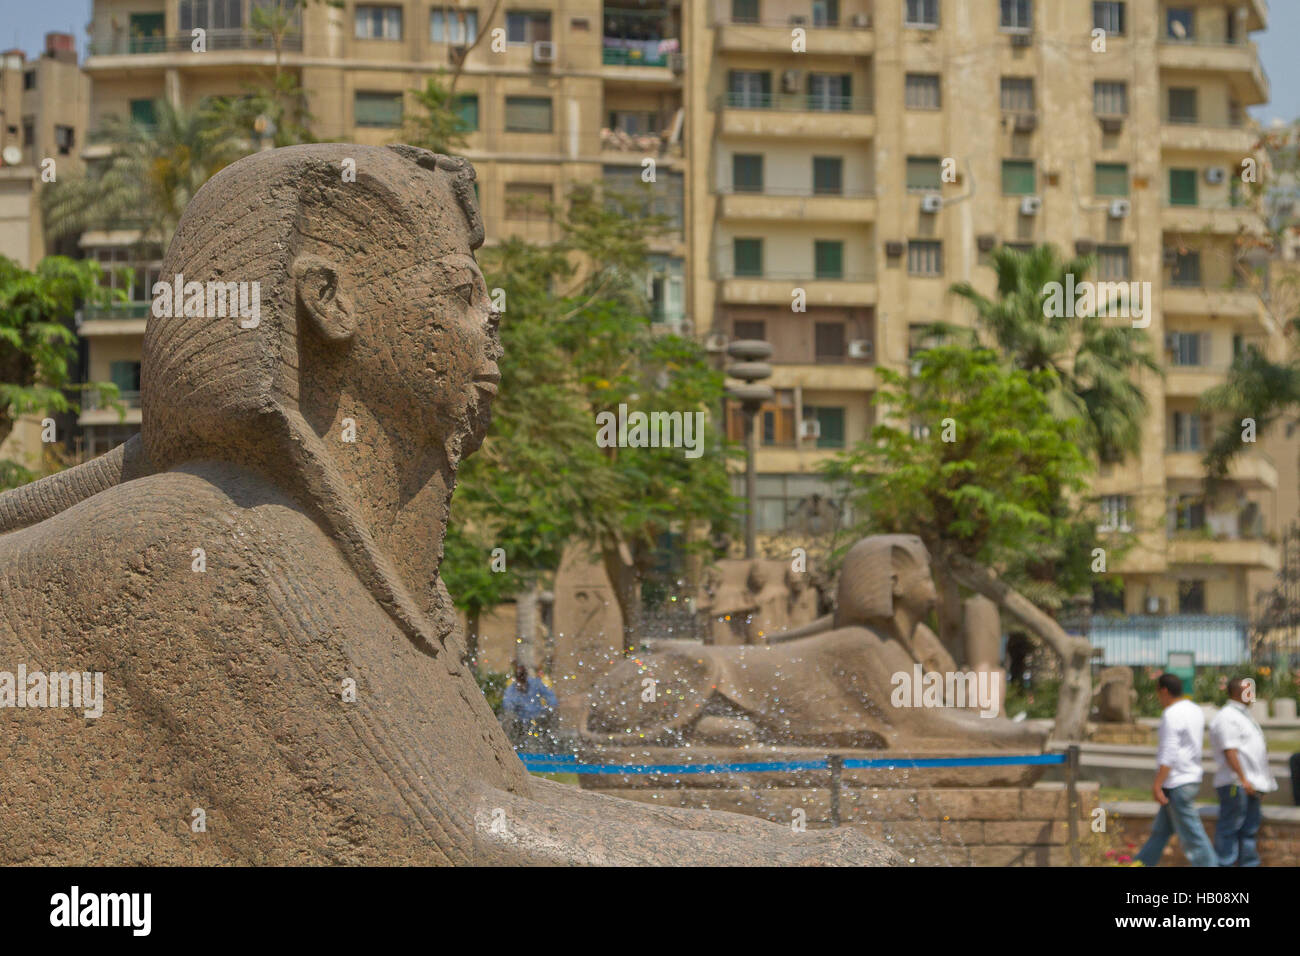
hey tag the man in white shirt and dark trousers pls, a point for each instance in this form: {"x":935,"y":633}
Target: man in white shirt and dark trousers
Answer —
{"x":1241,"y":777}
{"x":1178,"y":779}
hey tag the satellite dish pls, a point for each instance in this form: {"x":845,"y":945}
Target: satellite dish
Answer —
{"x":12,"y":155}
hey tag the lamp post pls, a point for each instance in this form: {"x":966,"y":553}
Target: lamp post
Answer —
{"x":750,"y":366}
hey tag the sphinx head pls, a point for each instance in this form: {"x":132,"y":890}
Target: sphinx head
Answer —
{"x":369,"y":294}
{"x":881,"y":575}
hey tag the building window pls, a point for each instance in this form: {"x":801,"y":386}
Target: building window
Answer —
{"x":775,"y":422}
{"x":1186,"y":431}
{"x":921,"y":91}
{"x":925,"y":257}
{"x":528,"y":114}
{"x":747,"y":172}
{"x":126,"y":376}
{"x":747,"y":257}
{"x":924,"y":173}
{"x":466,"y":106}
{"x":457,"y":27}
{"x":828,"y":175}
{"x":1182,"y":105}
{"x":527,"y":202}
{"x":29,"y":79}
{"x":830,"y":424}
{"x":528,"y":26}
{"x":828,"y":259}
{"x":377,"y":109}
{"x":748,"y":329}
{"x":211,"y":15}
{"x":744,"y":11}
{"x":63,"y":139}
{"x":1188,"y":348}
{"x":832,"y":92}
{"x":1116,"y":513}
{"x":666,"y":288}
{"x":749,"y":89}
{"x":1191,"y":597}
{"x":144,"y":113}
{"x":1186,"y":513}
{"x":1187,"y":269}
{"x":1017,"y":94}
{"x":1019,"y":178}
{"x":1108,"y":600}
{"x":1110,"y":98}
{"x":1108,"y":15}
{"x":1113,"y":263}
{"x":1180,"y":23}
{"x":828,"y":341}
{"x":1182,"y":187}
{"x":1110,"y":179}
{"x":1017,"y":15}
{"x":379,"y":23}
{"x":921,"y":13}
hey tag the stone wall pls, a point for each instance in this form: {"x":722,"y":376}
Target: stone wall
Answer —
{"x":1279,"y":834}
{"x":994,"y":826}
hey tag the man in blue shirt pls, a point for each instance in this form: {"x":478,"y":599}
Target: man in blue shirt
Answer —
{"x":529,"y":710}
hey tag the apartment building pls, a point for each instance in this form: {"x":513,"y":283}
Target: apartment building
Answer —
{"x":553,"y":92}
{"x":44,"y":103}
{"x":819,"y":131}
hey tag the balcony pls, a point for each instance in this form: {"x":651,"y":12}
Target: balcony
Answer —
{"x":775,"y":288}
{"x":849,"y":36}
{"x":126,"y":56}
{"x":1239,"y":60}
{"x":1147,"y":640}
{"x":788,"y":204}
{"x":1235,"y":139}
{"x":95,"y":412}
{"x":1216,"y":302}
{"x":1252,"y":470}
{"x":1223,"y":220}
{"x":1192,"y":381}
{"x":796,"y":116}
{"x":119,"y":318}
{"x":846,"y":375}
{"x":1254,"y":553}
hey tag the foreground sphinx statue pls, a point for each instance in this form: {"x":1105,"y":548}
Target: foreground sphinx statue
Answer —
{"x":831,"y":683}
{"x":256,"y":576}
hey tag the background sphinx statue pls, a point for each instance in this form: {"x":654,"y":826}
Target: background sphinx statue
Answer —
{"x":256,"y":576}
{"x":827,"y":684}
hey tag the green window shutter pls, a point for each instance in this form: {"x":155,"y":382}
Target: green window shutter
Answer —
{"x":528,"y":114}
{"x":828,"y":175}
{"x":125,"y":375}
{"x":377,"y":109}
{"x":747,"y":172}
{"x":146,"y":31}
{"x":467,"y":111}
{"x":1111,"y":179}
{"x":1182,"y":187}
{"x":924,"y":172}
{"x":748,"y":256}
{"x":831,"y":421}
{"x":1018,"y":178}
{"x":828,"y":256}
{"x":144,"y":113}
{"x":744,"y":11}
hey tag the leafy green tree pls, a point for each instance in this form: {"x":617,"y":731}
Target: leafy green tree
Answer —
{"x":1094,"y":365}
{"x":37,"y":348}
{"x":1258,"y":389}
{"x":438,"y":126}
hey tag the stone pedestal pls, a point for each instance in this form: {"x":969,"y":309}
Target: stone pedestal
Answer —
{"x":588,"y":629}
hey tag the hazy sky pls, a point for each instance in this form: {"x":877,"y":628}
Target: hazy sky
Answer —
{"x":25,"y":22}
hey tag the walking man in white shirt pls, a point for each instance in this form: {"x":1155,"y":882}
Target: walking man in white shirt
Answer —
{"x":1242,"y":775}
{"x":1178,"y":778}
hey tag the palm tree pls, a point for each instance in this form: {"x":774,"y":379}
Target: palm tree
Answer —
{"x":1093,"y":363}
{"x":1256,"y":388}
{"x":147,"y":179}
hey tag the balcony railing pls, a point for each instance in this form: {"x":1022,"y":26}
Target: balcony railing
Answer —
{"x":799,"y":192}
{"x":853,"y":21}
{"x":796,"y":102}
{"x":92,"y":402}
{"x":796,"y":275}
{"x":184,"y":43}
{"x":620,"y":52}
{"x":117,"y":310}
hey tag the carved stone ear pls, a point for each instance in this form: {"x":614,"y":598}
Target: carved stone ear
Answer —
{"x":317,"y":284}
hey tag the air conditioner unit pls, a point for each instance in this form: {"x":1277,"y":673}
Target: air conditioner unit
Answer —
{"x":1022,"y":39}
{"x":790,"y":81}
{"x":716,"y":342}
{"x":1156,"y":605}
{"x":1031,"y":206}
{"x":1111,"y":124}
{"x":861,"y":21}
{"x":931,"y":202}
{"x":810,"y":428}
{"x":986,"y":242}
{"x":796,"y":20}
{"x":544,"y":51}
{"x":1119,"y":209}
{"x":893,"y":249}
{"x":862,"y":349}
{"x":1026,"y":122}
{"x":1085,"y":247}
{"x":1216,"y":175}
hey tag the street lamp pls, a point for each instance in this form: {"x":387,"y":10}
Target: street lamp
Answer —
{"x":750,"y":366}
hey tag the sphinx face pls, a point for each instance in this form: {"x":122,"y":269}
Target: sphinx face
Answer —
{"x":915,"y":589}
{"x":438,"y":360}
